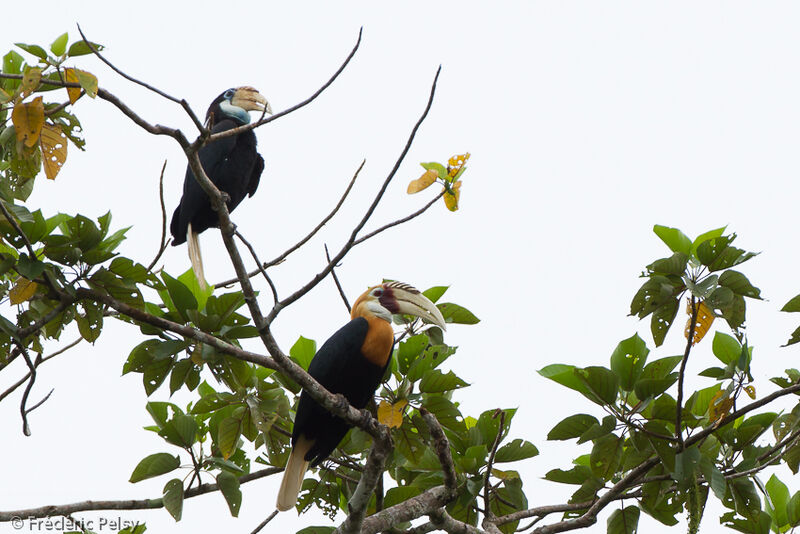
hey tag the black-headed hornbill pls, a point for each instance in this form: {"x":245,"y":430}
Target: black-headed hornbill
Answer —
{"x":352,"y":362}
{"x":232,"y":164}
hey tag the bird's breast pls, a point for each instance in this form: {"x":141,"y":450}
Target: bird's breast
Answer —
{"x":377,"y":346}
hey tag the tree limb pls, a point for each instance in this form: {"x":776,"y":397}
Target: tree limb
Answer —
{"x":127,"y":504}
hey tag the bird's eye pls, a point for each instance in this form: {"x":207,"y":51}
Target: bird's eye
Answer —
{"x":378,"y":292}
{"x":229,"y":93}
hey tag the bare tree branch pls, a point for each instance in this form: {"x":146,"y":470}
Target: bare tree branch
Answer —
{"x":37,"y":363}
{"x":373,"y":470}
{"x":181,"y":101}
{"x":163,"y":246}
{"x":679,"y":401}
{"x":251,"y":126}
{"x":170,"y":326}
{"x":336,"y":281}
{"x":349,"y":244}
{"x":128,"y":504}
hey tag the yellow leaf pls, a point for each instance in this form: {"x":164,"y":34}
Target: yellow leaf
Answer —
{"x":88,"y":82}
{"x":751,"y":392}
{"x":73,"y":92}
{"x":720,"y":405}
{"x":391,"y":415}
{"x":423,"y":182}
{"x":53,"y":143}
{"x":456,"y":163}
{"x":22,"y":291}
{"x":197,"y":355}
{"x":30,"y":81}
{"x":451,"y":199}
{"x":28,"y":120}
{"x":705,"y":317}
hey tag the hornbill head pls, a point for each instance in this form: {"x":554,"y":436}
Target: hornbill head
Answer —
{"x":235,"y":103}
{"x":396,"y":297}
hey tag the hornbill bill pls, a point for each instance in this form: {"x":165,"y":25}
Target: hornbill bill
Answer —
{"x":232,"y":164}
{"x":352,"y":362}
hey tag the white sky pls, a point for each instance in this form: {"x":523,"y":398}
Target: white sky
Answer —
{"x":587,"y":122}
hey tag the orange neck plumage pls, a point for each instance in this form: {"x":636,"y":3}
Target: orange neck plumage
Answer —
{"x":377,"y":345}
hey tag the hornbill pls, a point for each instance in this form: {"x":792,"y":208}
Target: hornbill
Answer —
{"x":232,"y":164}
{"x":352,"y":362}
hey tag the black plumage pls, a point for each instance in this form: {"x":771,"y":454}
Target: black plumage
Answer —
{"x":232,"y":164}
{"x":339,"y":367}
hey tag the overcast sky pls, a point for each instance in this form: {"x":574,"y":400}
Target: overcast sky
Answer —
{"x":588,"y":123}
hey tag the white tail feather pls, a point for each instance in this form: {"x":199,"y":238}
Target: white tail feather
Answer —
{"x":193,"y":243}
{"x":293,"y":475}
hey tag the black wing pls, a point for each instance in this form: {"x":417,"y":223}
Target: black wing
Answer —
{"x":233,"y":165}
{"x":340,"y":368}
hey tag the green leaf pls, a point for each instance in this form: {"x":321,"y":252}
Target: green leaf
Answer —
{"x":793,"y":305}
{"x":326,"y":530}
{"x":518,"y":449}
{"x":657,"y":291}
{"x":399,"y":495}
{"x":647,"y":388}
{"x":303,"y":351}
{"x":59,"y":46}
{"x":435,"y":293}
{"x":173,"y":496}
{"x":624,"y":521}
{"x":154,"y":465}
{"x":601,"y":382}
{"x":711,"y":234}
{"x":229,"y":431}
{"x":179,"y":295}
{"x":229,"y":486}
{"x":778,"y":500}
{"x":726,"y":348}
{"x":662,"y":320}
{"x":577,"y":475}
{"x":12,"y":63}
{"x":29,"y":268}
{"x":793,"y":510}
{"x":686,"y":465}
{"x":436,"y":382}
{"x":155,"y":373}
{"x":80,"y":48}
{"x":438,"y":167}
{"x":739,"y":284}
{"x":675,"y":264}
{"x":606,"y":455}
{"x":453,"y":313}
{"x":409,"y":350}
{"x":714,"y":477}
{"x":35,"y":50}
{"x":673,"y":238}
{"x":572,"y":427}
{"x":627,"y":361}
{"x":90,"y":322}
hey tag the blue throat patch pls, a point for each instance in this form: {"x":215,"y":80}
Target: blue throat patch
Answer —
{"x":235,"y":112}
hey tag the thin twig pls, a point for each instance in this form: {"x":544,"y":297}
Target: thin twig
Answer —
{"x":336,"y":281}
{"x":258,"y":263}
{"x":303,"y":241}
{"x":264,"y":523}
{"x":399,"y":221}
{"x":130,"y":504}
{"x":349,"y":244}
{"x":159,"y":92}
{"x":488,"y":474}
{"x":163,"y":246}
{"x":251,"y":126}
{"x":684,"y":360}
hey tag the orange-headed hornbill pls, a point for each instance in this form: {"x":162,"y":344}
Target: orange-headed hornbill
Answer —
{"x":232,"y":164}
{"x":351,"y":362}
